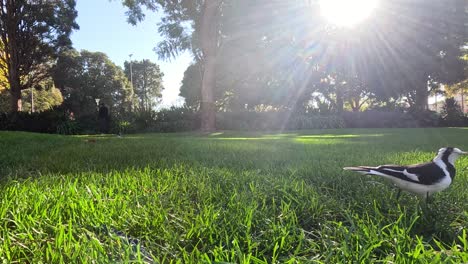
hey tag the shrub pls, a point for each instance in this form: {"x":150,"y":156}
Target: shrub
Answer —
{"x":452,"y":114}
{"x":425,"y":118}
{"x":175,"y":119}
{"x":283,"y":120}
{"x":390,"y":119}
{"x":315,"y":122}
{"x":178,"y":119}
{"x":56,"y":120}
{"x":44,"y":122}
{"x":245,"y":120}
{"x":87,"y":124}
{"x":4,"y":121}
{"x":142,"y":121}
{"x":69,"y":127}
{"x":120,"y":127}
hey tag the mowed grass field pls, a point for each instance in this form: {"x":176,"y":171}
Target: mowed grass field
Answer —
{"x":227,"y":197}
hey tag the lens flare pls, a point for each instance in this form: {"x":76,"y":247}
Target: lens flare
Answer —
{"x":347,"y":13}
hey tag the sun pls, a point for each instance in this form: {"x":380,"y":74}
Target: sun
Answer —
{"x":347,"y":13}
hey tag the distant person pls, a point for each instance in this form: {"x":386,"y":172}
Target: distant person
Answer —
{"x":104,"y":119}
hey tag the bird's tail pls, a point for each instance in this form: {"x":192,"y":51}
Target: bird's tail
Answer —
{"x":360,"y":169}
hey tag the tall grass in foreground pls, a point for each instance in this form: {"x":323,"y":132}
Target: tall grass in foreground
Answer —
{"x":229,"y":197}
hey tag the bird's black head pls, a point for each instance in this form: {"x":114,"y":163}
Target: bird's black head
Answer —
{"x":449,"y":154}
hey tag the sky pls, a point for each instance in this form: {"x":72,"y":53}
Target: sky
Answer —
{"x":104,"y":28}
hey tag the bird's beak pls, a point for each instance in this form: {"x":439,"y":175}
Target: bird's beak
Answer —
{"x":464,"y":153}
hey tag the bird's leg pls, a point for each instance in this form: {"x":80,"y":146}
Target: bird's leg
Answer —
{"x":428,"y":200}
{"x":398,"y":194}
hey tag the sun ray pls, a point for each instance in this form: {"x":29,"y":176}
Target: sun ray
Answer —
{"x":347,"y":13}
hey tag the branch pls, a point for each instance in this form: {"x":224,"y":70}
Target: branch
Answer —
{"x":363,"y":102}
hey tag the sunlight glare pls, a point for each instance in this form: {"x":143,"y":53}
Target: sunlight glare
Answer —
{"x":347,"y":13}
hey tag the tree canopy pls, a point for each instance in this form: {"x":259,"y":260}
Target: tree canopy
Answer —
{"x":191,"y":86}
{"x":86,"y":76}
{"x":147,"y":82}
{"x":32,"y":32}
{"x":263,"y":55}
{"x":188,"y":25}
{"x":42,"y":97}
{"x":289,"y":57}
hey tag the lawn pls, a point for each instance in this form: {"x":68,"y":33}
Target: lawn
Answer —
{"x":226,"y":197}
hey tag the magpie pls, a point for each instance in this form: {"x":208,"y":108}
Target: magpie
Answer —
{"x":421,"y":179}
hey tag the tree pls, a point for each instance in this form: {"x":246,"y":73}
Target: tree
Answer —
{"x":3,"y":68}
{"x":414,"y":43}
{"x":254,"y":57}
{"x":147,"y":82}
{"x":42,"y":97}
{"x":202,"y":39}
{"x":460,"y":88}
{"x":45,"y":95}
{"x":32,"y":32}
{"x":190,"y":89}
{"x":4,"y":98}
{"x":86,"y":76}
{"x":278,"y":53}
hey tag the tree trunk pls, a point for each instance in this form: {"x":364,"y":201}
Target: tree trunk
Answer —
{"x":209,"y":43}
{"x":207,"y":106}
{"x":355,"y":106}
{"x":339,"y":101}
{"x":421,"y":99}
{"x":145,"y":94}
{"x":462,"y":92}
{"x":11,"y":49}
{"x":15,"y":90}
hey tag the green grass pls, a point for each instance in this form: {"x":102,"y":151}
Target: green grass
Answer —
{"x":226,"y":197}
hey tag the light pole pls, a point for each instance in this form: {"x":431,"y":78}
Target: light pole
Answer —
{"x":131,"y":73}
{"x":32,"y":100}
{"x":97,"y":102}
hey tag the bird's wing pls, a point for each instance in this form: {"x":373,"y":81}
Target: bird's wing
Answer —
{"x":390,"y":171}
{"x":427,"y":173}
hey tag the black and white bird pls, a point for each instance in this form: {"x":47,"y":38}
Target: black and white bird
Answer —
{"x":421,"y":179}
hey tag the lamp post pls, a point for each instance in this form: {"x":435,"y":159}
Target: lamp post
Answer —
{"x":97,"y":102}
{"x":32,"y":100}
{"x":131,"y":73}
